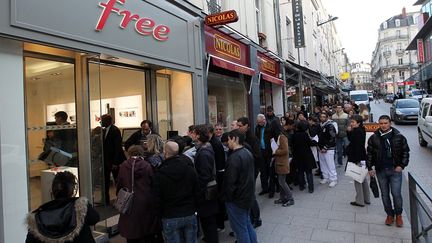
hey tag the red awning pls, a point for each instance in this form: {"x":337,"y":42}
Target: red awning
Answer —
{"x":272,"y":79}
{"x":222,"y":63}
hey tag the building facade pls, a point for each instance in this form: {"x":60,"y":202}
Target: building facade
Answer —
{"x":391,"y":63}
{"x":361,"y":76}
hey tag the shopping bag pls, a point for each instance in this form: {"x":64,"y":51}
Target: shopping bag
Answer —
{"x":357,"y":173}
{"x":374,"y":186}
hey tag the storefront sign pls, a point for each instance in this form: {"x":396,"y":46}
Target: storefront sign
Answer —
{"x":344,"y":76}
{"x":220,"y":45}
{"x":221,"y":18}
{"x":225,"y":64}
{"x":298,"y":23}
{"x":420,"y":51}
{"x":143,"y":25}
{"x":269,"y":69}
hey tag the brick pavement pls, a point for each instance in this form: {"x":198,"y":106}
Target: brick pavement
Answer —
{"x":324,"y":216}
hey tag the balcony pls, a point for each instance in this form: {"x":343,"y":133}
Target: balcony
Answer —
{"x":213,"y":6}
{"x":400,"y":52}
{"x":394,"y":37}
{"x":387,"y":54}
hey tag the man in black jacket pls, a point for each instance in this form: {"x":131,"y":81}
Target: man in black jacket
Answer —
{"x":327,"y":145}
{"x":139,"y":137}
{"x":388,"y":151}
{"x":239,"y":188}
{"x":176,"y":186}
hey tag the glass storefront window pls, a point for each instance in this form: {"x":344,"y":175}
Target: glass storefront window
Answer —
{"x":51,"y":123}
{"x":174,"y":102}
{"x":227,"y":98}
{"x":266,"y":96}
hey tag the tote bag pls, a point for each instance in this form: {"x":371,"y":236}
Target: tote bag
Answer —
{"x":357,"y":173}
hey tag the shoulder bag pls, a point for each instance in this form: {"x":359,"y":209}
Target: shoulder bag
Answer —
{"x":124,"y":199}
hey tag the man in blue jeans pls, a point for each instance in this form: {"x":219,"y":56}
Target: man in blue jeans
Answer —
{"x":388,"y":151}
{"x":176,"y":186}
{"x":239,"y":188}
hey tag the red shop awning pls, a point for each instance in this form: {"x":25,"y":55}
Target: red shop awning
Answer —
{"x":272,"y":79}
{"x":222,"y":63}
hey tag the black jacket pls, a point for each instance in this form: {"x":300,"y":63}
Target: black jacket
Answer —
{"x":112,"y":147}
{"x":356,"y":150}
{"x":399,"y":148}
{"x":205,"y":167}
{"x":134,"y":139}
{"x":219,"y":153}
{"x":239,"y":180}
{"x":64,"y":220}
{"x":302,"y":154}
{"x":176,"y":186}
{"x":267,"y":138}
{"x":327,"y":136}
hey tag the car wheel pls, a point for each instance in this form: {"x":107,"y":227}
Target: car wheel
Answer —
{"x":422,"y":142}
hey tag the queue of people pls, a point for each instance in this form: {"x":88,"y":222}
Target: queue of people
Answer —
{"x":185,"y":188}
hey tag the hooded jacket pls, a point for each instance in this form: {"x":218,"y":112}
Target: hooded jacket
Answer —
{"x":176,"y":187}
{"x":62,"y":220}
{"x":399,"y":150}
{"x":327,"y":136}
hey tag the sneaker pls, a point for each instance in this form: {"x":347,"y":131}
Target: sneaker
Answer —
{"x":288,"y":203}
{"x":356,"y":204}
{"x":389,"y":220}
{"x":399,"y":220}
{"x":324,"y":181}
{"x":333,"y":184}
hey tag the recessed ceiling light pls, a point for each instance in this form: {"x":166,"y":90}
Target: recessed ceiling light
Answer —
{"x":55,"y":74}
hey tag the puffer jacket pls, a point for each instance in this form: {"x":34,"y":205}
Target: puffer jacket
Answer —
{"x":342,"y":121}
{"x":399,"y":147}
{"x":327,"y":136}
{"x":62,"y":220}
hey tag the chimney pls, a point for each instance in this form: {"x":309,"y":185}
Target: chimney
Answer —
{"x":404,"y":14}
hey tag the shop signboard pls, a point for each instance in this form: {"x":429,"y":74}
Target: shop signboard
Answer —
{"x":299,"y":39}
{"x":225,"y":17}
{"x":269,"y":69}
{"x":420,"y":51}
{"x":226,"y":52}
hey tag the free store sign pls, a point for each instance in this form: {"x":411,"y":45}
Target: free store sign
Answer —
{"x":143,"y":25}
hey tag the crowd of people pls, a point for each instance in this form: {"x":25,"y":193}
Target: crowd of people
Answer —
{"x":187,"y":187}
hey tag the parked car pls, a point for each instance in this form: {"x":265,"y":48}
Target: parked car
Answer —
{"x":404,"y":111}
{"x":389,"y":98}
{"x":417,"y":94}
{"x":424,"y":125}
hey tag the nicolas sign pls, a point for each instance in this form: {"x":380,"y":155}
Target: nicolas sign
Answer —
{"x":221,"y":18}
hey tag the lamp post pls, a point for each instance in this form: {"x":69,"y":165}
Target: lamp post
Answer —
{"x":329,"y":20}
{"x":394,"y":84}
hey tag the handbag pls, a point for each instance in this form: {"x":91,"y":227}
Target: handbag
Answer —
{"x":357,"y":173}
{"x":124,"y":199}
{"x":374,"y":186}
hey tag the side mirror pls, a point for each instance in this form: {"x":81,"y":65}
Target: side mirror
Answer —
{"x":429,"y":119}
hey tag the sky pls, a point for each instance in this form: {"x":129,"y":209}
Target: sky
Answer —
{"x":358,"y":22}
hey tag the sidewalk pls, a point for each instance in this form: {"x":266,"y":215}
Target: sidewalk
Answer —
{"x":324,"y":216}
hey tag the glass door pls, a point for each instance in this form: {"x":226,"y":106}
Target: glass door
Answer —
{"x":163,"y":94}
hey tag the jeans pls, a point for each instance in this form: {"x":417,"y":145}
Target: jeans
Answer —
{"x":255,"y":213}
{"x":341,"y":144}
{"x":241,"y":224}
{"x":180,"y":230}
{"x":391,"y":181}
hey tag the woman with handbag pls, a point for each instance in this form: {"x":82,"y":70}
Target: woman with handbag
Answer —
{"x":356,"y":153}
{"x":142,"y":221}
{"x":281,"y":160}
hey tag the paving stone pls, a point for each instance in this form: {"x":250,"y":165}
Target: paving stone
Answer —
{"x":298,"y":232}
{"x":390,"y":231}
{"x":332,"y":236}
{"x":361,"y":238}
{"x":302,"y":212}
{"x":347,"y":207}
{"x":310,"y":222}
{"x":344,"y":216}
{"x":348,"y":226}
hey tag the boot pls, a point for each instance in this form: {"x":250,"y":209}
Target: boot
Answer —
{"x":399,"y":221}
{"x":389,"y":220}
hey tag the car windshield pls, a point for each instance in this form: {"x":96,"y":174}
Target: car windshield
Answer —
{"x":407,"y":104}
{"x":359,"y":97}
{"x":418,"y":92}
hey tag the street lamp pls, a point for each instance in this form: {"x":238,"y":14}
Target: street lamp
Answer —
{"x":329,"y":20}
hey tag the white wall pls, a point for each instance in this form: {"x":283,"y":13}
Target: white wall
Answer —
{"x":13,"y":165}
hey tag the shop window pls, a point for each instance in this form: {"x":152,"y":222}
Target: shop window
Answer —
{"x":51,"y":123}
{"x":266,"y":96}
{"x":174,"y":102}
{"x":227,"y":98}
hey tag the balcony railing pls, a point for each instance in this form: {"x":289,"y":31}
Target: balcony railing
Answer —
{"x":387,"y":53}
{"x":394,"y":37}
{"x":213,"y":6}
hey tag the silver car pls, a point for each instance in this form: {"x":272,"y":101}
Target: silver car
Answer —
{"x":405,"y":111}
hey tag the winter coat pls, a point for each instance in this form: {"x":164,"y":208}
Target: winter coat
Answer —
{"x":144,"y":218}
{"x":302,"y":154}
{"x":239,"y":179}
{"x":327,"y":136}
{"x":62,"y":220}
{"x":342,"y":122}
{"x":267,"y":137}
{"x":206,"y":171}
{"x":176,"y":186}
{"x":356,"y":150}
{"x":219,"y":153}
{"x":281,"y":156}
{"x":399,"y":149}
{"x":112,"y":147}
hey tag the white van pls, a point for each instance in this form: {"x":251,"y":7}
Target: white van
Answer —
{"x":360,"y":97}
{"x":424,"y":124}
